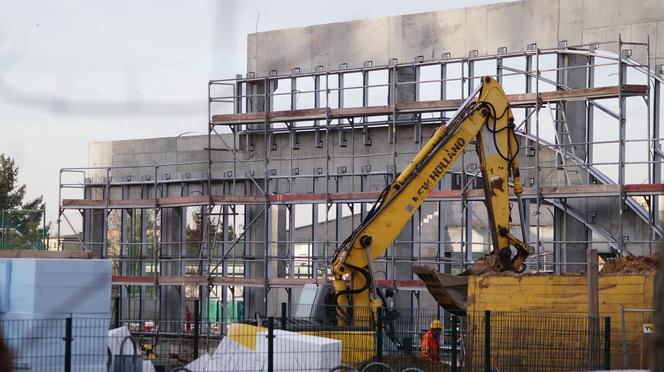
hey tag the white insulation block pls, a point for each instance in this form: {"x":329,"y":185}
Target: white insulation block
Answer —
{"x":199,"y":365}
{"x":231,"y":356}
{"x":50,"y":286}
{"x":296,"y":351}
{"x":115,"y":338}
{"x":149,"y":367}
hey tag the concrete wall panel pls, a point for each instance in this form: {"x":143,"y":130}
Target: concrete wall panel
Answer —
{"x":394,"y":39}
{"x":599,"y":13}
{"x":359,"y":41}
{"x":484,"y":28}
{"x":642,"y":10}
{"x":423,"y":25}
{"x":320,"y":46}
{"x":476,"y":31}
{"x":504,"y":25}
{"x":570,"y":23}
{"x":450,"y":27}
{"x":658,"y":50}
{"x":540,"y":23}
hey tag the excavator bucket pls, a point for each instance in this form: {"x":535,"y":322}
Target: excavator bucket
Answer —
{"x":451,"y":291}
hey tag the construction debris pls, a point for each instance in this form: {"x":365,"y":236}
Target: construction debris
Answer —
{"x":631,"y":265}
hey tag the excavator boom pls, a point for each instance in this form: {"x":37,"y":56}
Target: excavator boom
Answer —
{"x":485,"y":119}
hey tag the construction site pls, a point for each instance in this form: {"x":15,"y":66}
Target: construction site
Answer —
{"x":497,"y":168}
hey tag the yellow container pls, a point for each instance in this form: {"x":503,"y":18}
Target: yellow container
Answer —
{"x":568,"y":294}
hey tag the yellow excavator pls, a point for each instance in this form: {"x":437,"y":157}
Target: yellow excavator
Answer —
{"x":484,"y":117}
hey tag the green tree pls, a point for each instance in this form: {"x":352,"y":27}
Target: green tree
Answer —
{"x":22,"y":220}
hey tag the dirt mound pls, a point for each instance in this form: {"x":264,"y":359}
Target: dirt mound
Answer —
{"x":399,"y":362}
{"x":631,"y":265}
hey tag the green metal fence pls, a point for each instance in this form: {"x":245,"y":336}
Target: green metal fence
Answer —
{"x":514,"y":341}
{"x":488,"y":341}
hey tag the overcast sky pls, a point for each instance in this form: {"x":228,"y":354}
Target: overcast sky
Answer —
{"x":77,"y":71}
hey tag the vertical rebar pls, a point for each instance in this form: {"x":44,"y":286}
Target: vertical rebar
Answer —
{"x":270,"y":344}
{"x":44,"y":234}
{"x":607,"y":343}
{"x":623,"y":334}
{"x":116,"y":310}
{"x":60,"y":210}
{"x":68,"y":339}
{"x":487,"y":341}
{"x":538,"y":166}
{"x":379,"y":335}
{"x":453,"y":361}
{"x":2,"y":222}
{"x":283,"y":315}
{"x":267,"y":102}
{"x":197,"y":322}
{"x":621,"y":144}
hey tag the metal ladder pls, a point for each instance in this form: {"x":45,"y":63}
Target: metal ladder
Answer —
{"x":567,"y":154}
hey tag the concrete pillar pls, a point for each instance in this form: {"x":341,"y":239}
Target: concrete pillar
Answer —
{"x":444,"y":249}
{"x":402,"y":249}
{"x":573,"y":254}
{"x":406,"y":92}
{"x":173,"y":222}
{"x":94,"y":228}
{"x":226,"y":221}
{"x":255,"y":103}
{"x":575,"y":76}
{"x":144,"y":253}
{"x":125,"y":233}
{"x":277,"y":247}
{"x":317,"y":236}
{"x":254,"y":297}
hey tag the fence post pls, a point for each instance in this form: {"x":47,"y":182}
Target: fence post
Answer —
{"x":283,"y":315}
{"x":270,"y":344}
{"x":197,"y":322}
{"x":487,"y":341}
{"x":453,"y":362}
{"x":68,"y":339}
{"x":379,"y":335}
{"x":607,"y":342}
{"x":116,"y":310}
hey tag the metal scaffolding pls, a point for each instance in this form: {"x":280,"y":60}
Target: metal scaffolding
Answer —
{"x":294,"y":161}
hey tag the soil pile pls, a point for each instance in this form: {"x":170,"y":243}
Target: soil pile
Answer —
{"x":631,"y":265}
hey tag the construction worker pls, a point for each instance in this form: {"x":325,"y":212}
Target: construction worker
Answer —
{"x":430,"y":346}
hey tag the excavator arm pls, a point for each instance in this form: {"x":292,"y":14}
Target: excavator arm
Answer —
{"x":484,"y":117}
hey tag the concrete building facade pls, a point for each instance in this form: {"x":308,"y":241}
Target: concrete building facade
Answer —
{"x":327,"y":115}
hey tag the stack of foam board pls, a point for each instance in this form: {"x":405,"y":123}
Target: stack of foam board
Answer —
{"x":231,"y":356}
{"x":245,"y":349}
{"x":200,"y":364}
{"x":37,"y":296}
{"x":295,"y":351}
